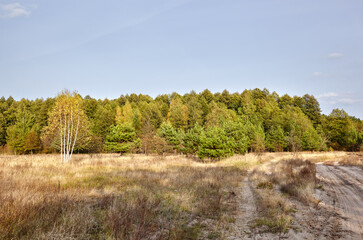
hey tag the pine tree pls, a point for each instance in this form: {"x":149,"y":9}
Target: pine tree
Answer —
{"x":276,"y":139}
{"x":178,"y":114}
{"x":16,"y":134}
{"x":171,"y":135}
{"x":215,"y":144}
{"x":191,"y":139}
{"x":236,"y":131}
{"x":122,"y":138}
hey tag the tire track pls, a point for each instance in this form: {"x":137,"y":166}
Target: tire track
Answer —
{"x":345,"y":185}
{"x":246,"y":213}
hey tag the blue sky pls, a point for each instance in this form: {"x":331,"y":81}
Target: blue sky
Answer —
{"x":113,"y":47}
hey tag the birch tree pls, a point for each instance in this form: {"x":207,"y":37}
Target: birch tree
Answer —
{"x":68,"y":126}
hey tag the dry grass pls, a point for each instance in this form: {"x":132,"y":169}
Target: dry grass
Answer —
{"x":352,"y":159}
{"x":294,"y":178}
{"x":340,"y":158}
{"x":112,"y":197}
{"x":105,"y":196}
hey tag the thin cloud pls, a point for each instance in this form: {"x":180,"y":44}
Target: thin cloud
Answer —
{"x":335,"y":55}
{"x":328,"y":95}
{"x":165,"y":8}
{"x":349,"y":100}
{"x":318,"y":74}
{"x":334,"y":98}
{"x":13,"y":10}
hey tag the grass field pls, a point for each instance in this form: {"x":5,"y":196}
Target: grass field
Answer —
{"x":139,"y":197}
{"x":113,"y":197}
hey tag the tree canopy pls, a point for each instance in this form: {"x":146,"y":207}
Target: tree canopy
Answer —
{"x":206,"y":124}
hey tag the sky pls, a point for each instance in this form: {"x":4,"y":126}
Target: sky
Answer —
{"x":112,"y":47}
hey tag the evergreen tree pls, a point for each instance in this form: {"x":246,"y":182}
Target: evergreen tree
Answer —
{"x":311,"y":140}
{"x":339,"y":129}
{"x":151,"y":114}
{"x":2,"y":130}
{"x":103,"y":120}
{"x":236,"y":131}
{"x":276,"y":139}
{"x":16,"y":134}
{"x":253,"y":120}
{"x":122,"y":138}
{"x":311,"y":108}
{"x":171,"y":135}
{"x":178,"y":114}
{"x":258,"y":141}
{"x":195,"y":112}
{"x":191,"y":139}
{"x":218,"y":114}
{"x":215,"y":144}
{"x":127,"y":114}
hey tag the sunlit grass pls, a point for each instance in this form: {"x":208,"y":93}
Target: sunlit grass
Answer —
{"x":112,"y":197}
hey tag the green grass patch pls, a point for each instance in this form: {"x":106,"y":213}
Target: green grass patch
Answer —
{"x":278,"y":225}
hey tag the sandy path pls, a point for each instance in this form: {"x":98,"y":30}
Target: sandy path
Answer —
{"x":345,"y":186}
{"x":245,"y":216}
{"x":246,"y":212}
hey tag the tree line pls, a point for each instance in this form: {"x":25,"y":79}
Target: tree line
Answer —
{"x":202,"y":124}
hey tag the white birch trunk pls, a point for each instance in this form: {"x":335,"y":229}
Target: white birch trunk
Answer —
{"x":61,"y":137}
{"x":64,"y":136}
{"x":71,"y":137}
{"x":68,"y":133}
{"x":75,"y":138}
{"x":68,"y":130}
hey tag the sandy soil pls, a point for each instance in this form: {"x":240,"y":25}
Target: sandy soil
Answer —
{"x":338,"y":213}
{"x":246,"y":212}
{"x":343,"y":187}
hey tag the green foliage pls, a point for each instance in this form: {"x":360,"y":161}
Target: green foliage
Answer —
{"x":171,"y":135}
{"x":150,"y":113}
{"x":195,"y":112}
{"x":311,"y":140}
{"x":218,"y":114}
{"x":104,"y":118}
{"x":254,"y":120}
{"x":191,"y":139}
{"x":311,"y":108}
{"x":17,"y":133}
{"x":258,"y":141}
{"x":178,"y":114}
{"x":236,"y":131}
{"x":276,"y":139}
{"x":285,"y":101}
{"x":342,"y":131}
{"x":215,"y":144}
{"x":68,"y":121}
{"x":2,"y":130}
{"x":122,"y":139}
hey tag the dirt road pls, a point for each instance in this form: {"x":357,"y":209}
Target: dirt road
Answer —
{"x":345,"y":186}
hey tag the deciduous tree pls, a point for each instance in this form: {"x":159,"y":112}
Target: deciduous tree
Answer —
{"x":68,"y":127}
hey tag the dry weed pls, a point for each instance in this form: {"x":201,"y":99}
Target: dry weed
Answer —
{"x":106,"y":196}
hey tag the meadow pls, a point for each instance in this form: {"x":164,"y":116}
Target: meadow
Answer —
{"x":108,"y":196}
{"x":112,"y":197}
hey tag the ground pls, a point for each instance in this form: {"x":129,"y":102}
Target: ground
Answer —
{"x":282,"y":201}
{"x":255,"y":196}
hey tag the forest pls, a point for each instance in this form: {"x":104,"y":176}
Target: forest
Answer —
{"x":205,"y":125}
